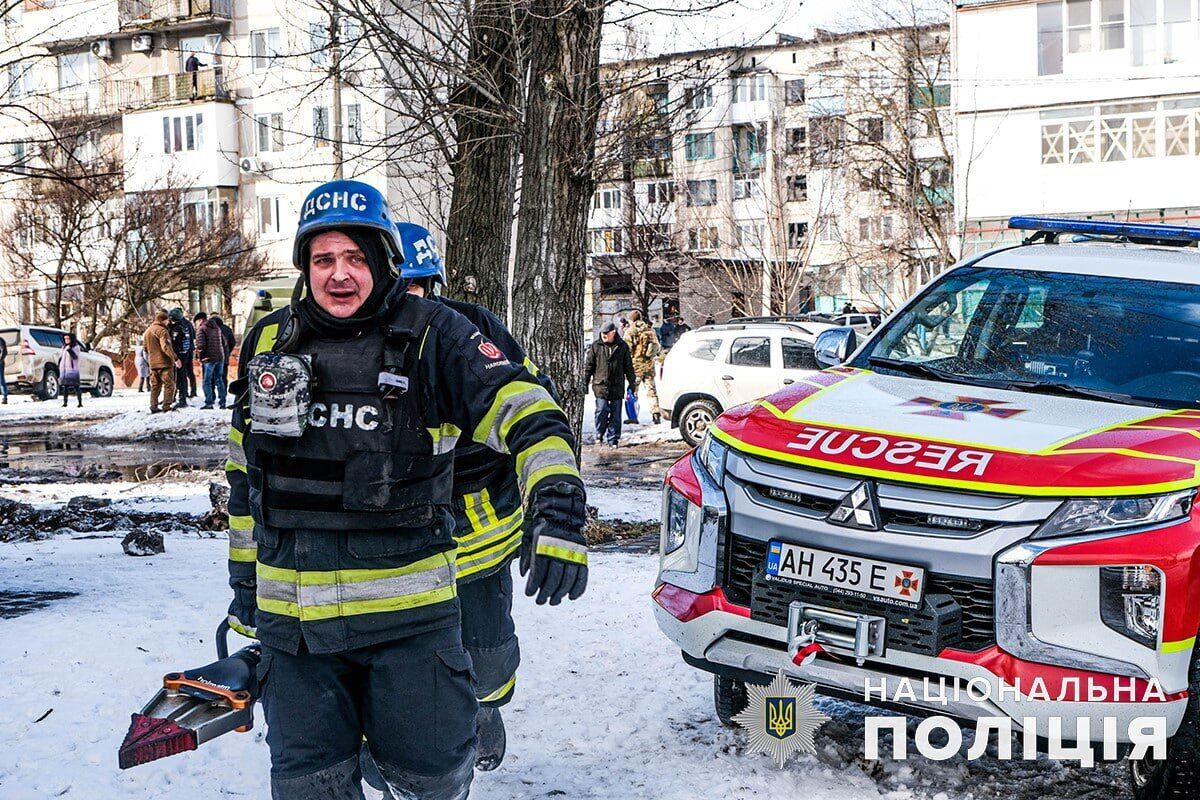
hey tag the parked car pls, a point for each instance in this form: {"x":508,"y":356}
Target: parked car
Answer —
{"x":32,"y":363}
{"x":717,"y":367}
{"x":862,"y":323}
{"x":996,"y":489}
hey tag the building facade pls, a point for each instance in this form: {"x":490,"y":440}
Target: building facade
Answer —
{"x":1075,"y":107}
{"x":228,"y":101}
{"x":774,"y":179}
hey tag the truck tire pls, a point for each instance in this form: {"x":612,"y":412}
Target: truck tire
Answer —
{"x":48,"y":388}
{"x":729,"y":696}
{"x":104,"y":384}
{"x":695,"y":419}
{"x":1178,"y":775}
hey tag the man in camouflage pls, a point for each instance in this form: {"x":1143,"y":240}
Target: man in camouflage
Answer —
{"x":645,"y":348}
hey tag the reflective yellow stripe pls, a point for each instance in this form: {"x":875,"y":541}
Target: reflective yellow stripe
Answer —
{"x":953,"y":483}
{"x":357,"y":607}
{"x":235,"y":435}
{"x":482,"y":537}
{"x":241,"y":522}
{"x":334,"y":576}
{"x":231,"y":466}
{"x":266,"y":339}
{"x":444,"y":438}
{"x":529,"y":365}
{"x":472,"y":514}
{"x":236,"y":625}
{"x":551,"y":456}
{"x":243,"y":554}
{"x":489,"y":511}
{"x":513,"y":402}
{"x":561,"y":553}
{"x":481,"y":560}
{"x":502,"y":692}
{"x":533,"y":408}
{"x":1182,"y":646}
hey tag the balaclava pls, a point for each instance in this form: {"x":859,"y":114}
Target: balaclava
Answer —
{"x":378,"y":303}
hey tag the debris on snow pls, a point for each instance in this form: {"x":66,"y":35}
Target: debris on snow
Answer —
{"x":143,"y":543}
{"x":218,"y":518}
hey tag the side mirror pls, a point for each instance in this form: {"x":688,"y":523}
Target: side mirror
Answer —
{"x":834,"y":346}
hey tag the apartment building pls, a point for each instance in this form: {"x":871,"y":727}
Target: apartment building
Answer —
{"x":774,"y":179}
{"x":247,"y":131}
{"x":1076,"y":107}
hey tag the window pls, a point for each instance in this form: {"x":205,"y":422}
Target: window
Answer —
{"x":827,"y":229}
{"x":354,"y":123}
{"x":660,"y":192}
{"x":747,"y":189}
{"x":698,"y":97}
{"x":207,"y":49}
{"x":793,"y":92}
{"x":796,"y":139}
{"x":875,"y":229}
{"x":797,"y":188}
{"x":1081,"y":141}
{"x":1053,"y":143}
{"x":269,"y":215}
{"x":870,"y":130}
{"x":607,"y":198}
{"x":264,"y":48}
{"x":320,"y":126}
{"x":750,"y":351}
{"x":797,"y":232}
{"x":1143,"y":32}
{"x":1112,"y":24}
{"x":1179,"y":35}
{"x":935,"y":95}
{"x":703,"y":239}
{"x":1079,"y":26}
{"x":1114,"y":138}
{"x":20,"y":156}
{"x":1050,"y":38}
{"x":706,"y":349}
{"x":18,"y":83}
{"x":828,"y":133}
{"x":318,"y":43}
{"x":798,"y":354}
{"x":702,"y":193}
{"x":200,"y":207}
{"x":1181,"y":129}
{"x":183,"y":133}
{"x":76,"y":70}
{"x":750,"y":235}
{"x":871,"y":179}
{"x":651,"y":238}
{"x":699,"y":146}
{"x":47,"y":338}
{"x":605,"y":240}
{"x":749,"y":88}
{"x":269,"y":129}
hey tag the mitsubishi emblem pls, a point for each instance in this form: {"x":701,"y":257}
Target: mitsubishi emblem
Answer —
{"x":858,"y":509}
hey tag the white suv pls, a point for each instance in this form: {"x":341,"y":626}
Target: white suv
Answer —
{"x":717,"y":367}
{"x":32,"y":363}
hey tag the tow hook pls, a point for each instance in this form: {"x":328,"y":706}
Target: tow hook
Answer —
{"x":813,"y":630}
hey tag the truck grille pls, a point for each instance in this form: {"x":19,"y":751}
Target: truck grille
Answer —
{"x":955,"y":612}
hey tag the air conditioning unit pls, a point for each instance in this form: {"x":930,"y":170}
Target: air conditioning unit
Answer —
{"x":102,"y":48}
{"x":253,"y":165}
{"x":143,"y":43}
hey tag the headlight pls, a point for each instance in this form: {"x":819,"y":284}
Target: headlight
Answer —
{"x":1109,"y":513}
{"x":1130,"y":600}
{"x":674,"y":521}
{"x":712,"y":456}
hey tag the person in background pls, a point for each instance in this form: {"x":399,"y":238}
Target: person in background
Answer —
{"x":3,"y":384}
{"x":681,"y":328}
{"x":68,"y":369}
{"x":230,"y":343}
{"x":160,"y":354}
{"x":183,"y":341}
{"x":668,"y":333}
{"x":607,"y":368}
{"x":645,"y":350}
{"x":210,"y":349}
{"x":143,"y":368}
{"x":709,"y":320}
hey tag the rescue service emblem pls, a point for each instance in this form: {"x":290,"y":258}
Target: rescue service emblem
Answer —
{"x":490,"y":350}
{"x":959,"y":407}
{"x":267,"y":381}
{"x":780,"y":719}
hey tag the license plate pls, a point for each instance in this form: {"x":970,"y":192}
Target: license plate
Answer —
{"x":852,"y":575}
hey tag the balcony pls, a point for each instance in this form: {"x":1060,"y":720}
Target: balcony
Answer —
{"x":173,"y":14}
{"x":87,"y":100}
{"x":652,"y":168}
{"x":178,"y":87}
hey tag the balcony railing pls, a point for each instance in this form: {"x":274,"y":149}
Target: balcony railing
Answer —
{"x":652,"y":168}
{"x":151,"y":90}
{"x":85,"y":100}
{"x":144,"y":13}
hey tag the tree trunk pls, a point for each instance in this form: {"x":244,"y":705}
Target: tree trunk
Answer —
{"x":487,"y":129}
{"x":561,"y":107}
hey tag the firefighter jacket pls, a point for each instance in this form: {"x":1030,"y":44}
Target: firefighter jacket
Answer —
{"x":345,"y":534}
{"x":487,"y":495}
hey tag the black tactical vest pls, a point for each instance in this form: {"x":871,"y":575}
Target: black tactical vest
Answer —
{"x":365,"y":462}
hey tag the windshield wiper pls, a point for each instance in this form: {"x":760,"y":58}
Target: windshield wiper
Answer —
{"x":1068,"y":390}
{"x":915,"y":368}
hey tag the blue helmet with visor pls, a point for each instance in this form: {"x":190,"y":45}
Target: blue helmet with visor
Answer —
{"x":421,"y":256}
{"x":338,"y":205}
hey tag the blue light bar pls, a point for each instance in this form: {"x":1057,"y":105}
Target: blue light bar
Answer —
{"x":1127,"y":230}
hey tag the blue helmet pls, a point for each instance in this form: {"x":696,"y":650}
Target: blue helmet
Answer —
{"x":421,"y":256}
{"x":346,"y":204}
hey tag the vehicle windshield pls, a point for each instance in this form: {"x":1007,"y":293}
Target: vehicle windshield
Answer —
{"x":1118,"y":339}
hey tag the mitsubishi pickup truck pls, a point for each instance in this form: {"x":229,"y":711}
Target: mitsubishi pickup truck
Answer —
{"x":996,"y":488}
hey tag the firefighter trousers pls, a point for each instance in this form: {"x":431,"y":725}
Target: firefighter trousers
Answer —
{"x":413,"y":699}
{"x":489,"y":635}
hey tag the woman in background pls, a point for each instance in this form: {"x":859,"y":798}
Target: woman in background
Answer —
{"x":68,"y":369}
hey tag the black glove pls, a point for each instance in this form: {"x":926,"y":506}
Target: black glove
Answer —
{"x":553,"y":551}
{"x":243,"y":608}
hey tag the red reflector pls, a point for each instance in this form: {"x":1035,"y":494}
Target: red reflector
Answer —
{"x":150,"y":738}
{"x":686,"y":606}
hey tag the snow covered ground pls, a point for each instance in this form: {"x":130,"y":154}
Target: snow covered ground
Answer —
{"x":605,"y":708}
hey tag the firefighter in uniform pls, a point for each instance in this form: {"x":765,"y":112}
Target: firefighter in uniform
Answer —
{"x":342,"y":558}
